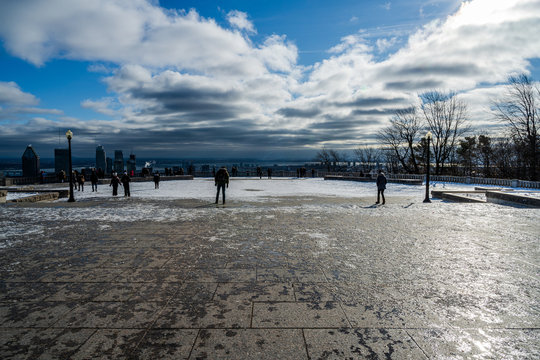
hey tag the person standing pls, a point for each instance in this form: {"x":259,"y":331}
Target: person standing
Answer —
{"x":94,"y":180}
{"x":156,"y":180}
{"x":125,"y":183}
{"x":115,"y":181}
{"x":221,"y":180}
{"x":81,"y":180}
{"x":381,"y":186}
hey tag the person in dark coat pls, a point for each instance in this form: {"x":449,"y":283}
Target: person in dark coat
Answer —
{"x":381,"y":186}
{"x":115,"y":181}
{"x":125,"y":179}
{"x":221,"y":179}
{"x":269,"y":171}
{"x":156,"y":180}
{"x":81,"y":180}
{"x":94,"y":180}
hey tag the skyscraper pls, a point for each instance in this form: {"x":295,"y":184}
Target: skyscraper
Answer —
{"x":61,"y":161}
{"x":118,"y":161}
{"x":131,"y":165}
{"x":109,"y":166}
{"x":101,"y":162}
{"x":30,"y":162}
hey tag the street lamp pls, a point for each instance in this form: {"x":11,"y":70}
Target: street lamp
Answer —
{"x":428,"y":137}
{"x":69,"y":135}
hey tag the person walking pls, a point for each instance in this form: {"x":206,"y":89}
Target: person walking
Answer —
{"x":156,"y":180}
{"x":94,"y":180}
{"x":115,"y":181}
{"x":221,"y":179}
{"x":81,"y":180}
{"x":125,"y":183}
{"x":381,"y":186}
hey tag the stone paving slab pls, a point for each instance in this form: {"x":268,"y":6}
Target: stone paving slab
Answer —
{"x":291,"y":279}
{"x":361,"y":344}
{"x":215,"y":314}
{"x":264,"y":344}
{"x":298,"y":315}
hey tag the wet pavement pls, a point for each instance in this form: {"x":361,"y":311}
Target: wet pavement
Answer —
{"x":289,"y":278}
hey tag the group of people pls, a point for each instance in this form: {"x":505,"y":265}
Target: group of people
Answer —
{"x":124,"y":181}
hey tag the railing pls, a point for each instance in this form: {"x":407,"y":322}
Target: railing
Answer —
{"x":455,"y":179}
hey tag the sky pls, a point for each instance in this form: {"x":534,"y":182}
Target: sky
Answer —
{"x":247,"y":79}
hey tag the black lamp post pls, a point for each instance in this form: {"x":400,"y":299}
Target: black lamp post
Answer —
{"x":69,"y":135}
{"x":428,"y":137}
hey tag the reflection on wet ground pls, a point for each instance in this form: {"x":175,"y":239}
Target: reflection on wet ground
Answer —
{"x":290,"y":278}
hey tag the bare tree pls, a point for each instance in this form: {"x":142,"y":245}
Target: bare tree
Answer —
{"x":401,"y":137}
{"x":520,"y":111}
{"x":367,"y":156}
{"x":336,"y":157}
{"x":446,"y":117}
{"x":323,"y":156}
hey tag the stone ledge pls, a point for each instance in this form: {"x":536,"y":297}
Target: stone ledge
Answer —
{"x":39,"y":197}
{"x":461,"y":198}
{"x":503,"y":198}
{"x":439,"y":194}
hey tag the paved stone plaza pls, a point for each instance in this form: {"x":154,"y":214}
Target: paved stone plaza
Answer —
{"x":286,"y":278}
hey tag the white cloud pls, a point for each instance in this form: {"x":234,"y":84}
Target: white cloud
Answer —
{"x":106,"y":106}
{"x":239,"y":20}
{"x":11,"y":94}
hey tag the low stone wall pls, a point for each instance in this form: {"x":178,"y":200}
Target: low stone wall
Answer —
{"x":61,"y":193}
{"x":460,"y":198}
{"x":438,"y":194}
{"x":504,"y":198}
{"x":39,"y":197}
{"x":3,"y":195}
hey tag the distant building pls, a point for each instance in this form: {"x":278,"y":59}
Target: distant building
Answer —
{"x":118,"y":161}
{"x":109,"y":167}
{"x":101,"y":159}
{"x":61,"y":160}
{"x":30,"y":162}
{"x":131,"y":165}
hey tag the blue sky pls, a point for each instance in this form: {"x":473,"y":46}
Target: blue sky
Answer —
{"x":266,"y":79}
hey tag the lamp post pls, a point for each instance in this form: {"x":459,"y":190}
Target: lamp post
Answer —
{"x":428,"y":137}
{"x":69,"y":135}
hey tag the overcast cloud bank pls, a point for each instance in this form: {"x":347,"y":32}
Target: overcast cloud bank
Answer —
{"x":180,"y":81}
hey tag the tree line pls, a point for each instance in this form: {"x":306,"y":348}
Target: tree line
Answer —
{"x":455,"y":148}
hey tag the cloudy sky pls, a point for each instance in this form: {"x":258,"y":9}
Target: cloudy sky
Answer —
{"x":243,"y":78}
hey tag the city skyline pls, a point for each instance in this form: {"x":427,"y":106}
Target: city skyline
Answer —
{"x":199,"y":79}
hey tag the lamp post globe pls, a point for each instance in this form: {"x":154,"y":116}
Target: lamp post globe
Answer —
{"x":69,"y":136}
{"x":428,"y":138}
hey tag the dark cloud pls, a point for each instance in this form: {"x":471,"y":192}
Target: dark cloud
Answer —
{"x":338,"y":123}
{"x":409,"y":85}
{"x":371,"y":102}
{"x":374,"y":112}
{"x":444,"y":70}
{"x":299,"y":113}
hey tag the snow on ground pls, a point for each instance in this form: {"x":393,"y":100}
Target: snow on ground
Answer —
{"x":251,"y":189}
